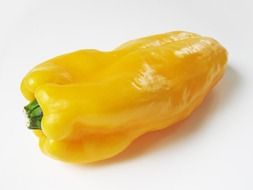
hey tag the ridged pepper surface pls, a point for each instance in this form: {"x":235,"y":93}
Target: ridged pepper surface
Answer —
{"x":89,"y":105}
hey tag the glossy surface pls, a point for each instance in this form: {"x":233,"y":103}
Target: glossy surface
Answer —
{"x":96,"y":103}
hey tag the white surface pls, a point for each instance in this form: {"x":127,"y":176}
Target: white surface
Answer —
{"x":213,"y":149}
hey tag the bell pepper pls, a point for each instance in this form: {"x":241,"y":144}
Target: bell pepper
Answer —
{"x":89,"y":105}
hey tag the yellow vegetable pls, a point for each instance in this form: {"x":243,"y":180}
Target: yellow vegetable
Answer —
{"x":89,"y":105}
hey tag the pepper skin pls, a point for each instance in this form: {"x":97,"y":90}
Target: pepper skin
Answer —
{"x":89,"y":105}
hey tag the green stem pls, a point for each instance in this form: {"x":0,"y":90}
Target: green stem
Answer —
{"x":34,"y":114}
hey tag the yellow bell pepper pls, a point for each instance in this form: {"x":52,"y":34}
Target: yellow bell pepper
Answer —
{"x":89,"y":105}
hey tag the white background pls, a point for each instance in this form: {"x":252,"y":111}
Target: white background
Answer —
{"x":213,"y":149}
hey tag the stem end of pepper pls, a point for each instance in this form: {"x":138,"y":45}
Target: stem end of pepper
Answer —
{"x":34,"y":114}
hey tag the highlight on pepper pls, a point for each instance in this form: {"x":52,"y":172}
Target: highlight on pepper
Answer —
{"x":89,"y":105}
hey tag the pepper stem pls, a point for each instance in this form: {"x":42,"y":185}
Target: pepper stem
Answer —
{"x":34,"y":114}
